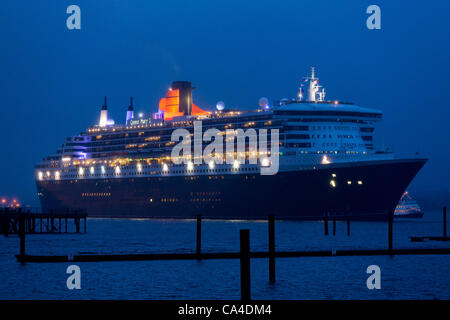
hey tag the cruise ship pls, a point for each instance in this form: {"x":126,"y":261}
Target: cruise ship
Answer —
{"x":302,"y":158}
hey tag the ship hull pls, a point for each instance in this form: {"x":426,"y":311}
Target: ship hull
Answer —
{"x":297,"y":194}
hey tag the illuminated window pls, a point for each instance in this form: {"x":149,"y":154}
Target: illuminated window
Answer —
{"x":333,"y":183}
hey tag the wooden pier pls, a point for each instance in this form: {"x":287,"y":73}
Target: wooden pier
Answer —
{"x":244,"y":255}
{"x":435,"y":238}
{"x":41,"y":223}
{"x":226,"y":255}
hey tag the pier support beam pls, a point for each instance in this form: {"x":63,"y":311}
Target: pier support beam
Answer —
{"x":77,"y":224}
{"x":271,"y":248}
{"x":245,"y":264}
{"x":199,"y":236}
{"x":325,"y":223}
{"x":334,"y":225}
{"x":22,"y":233}
{"x":348,"y":227}
{"x":5,"y":223}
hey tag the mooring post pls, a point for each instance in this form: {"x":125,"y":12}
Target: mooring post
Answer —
{"x":52,"y":219}
{"x":34,"y":224}
{"x":444,"y":212}
{"x":245,"y":264}
{"x":325,"y":223}
{"x":199,"y":236}
{"x":334,"y":225}
{"x":6,"y":221}
{"x":348,"y":226}
{"x":22,"y":233}
{"x":271,"y":248}
{"x":391,"y":220}
{"x":76,"y":220}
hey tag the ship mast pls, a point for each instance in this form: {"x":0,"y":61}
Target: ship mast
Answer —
{"x":315,"y":91}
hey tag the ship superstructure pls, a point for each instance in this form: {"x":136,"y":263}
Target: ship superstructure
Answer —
{"x":328,"y":163}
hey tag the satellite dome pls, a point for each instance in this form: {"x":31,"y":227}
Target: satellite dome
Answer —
{"x":263,"y":102}
{"x":220,"y":105}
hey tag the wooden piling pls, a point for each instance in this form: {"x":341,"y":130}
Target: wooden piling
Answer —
{"x":77,"y":224}
{"x":245,"y":264}
{"x":271,"y":248}
{"x":444,"y":213}
{"x":22,"y":233}
{"x":6,"y":224}
{"x":334,"y":225}
{"x":34,"y":225}
{"x":199,"y":235}
{"x":84,"y":224}
{"x":325,"y":223}
{"x":348,"y":227}
{"x":391,"y":220}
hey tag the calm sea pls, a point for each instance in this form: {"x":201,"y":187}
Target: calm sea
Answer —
{"x":402,"y":277}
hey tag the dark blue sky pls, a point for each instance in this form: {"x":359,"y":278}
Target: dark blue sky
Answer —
{"x":54,"y":79}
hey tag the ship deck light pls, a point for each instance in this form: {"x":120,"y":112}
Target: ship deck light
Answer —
{"x":265,"y":162}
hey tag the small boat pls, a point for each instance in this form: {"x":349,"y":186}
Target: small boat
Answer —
{"x":407,"y":207}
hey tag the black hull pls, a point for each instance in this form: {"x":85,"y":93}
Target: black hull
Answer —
{"x":300,"y":195}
